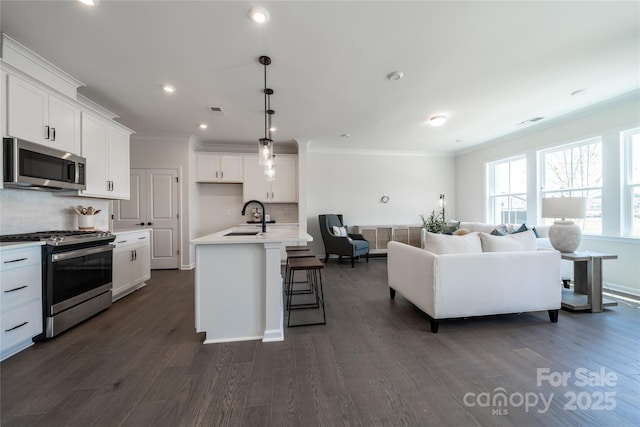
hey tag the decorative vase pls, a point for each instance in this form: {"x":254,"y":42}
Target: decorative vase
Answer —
{"x":85,"y":222}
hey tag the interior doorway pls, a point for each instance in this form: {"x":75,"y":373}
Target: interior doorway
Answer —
{"x":153,"y":204}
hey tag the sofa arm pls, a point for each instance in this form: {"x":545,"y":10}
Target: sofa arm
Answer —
{"x":411,"y":272}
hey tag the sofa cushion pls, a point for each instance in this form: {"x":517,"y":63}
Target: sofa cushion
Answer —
{"x":524,"y":227}
{"x":450,"y":227}
{"x":524,"y":241}
{"x":500,"y":231}
{"x":446,"y":244}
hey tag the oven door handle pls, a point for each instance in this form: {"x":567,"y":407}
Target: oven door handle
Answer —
{"x":81,"y":252}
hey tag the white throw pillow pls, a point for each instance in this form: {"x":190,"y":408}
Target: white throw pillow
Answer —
{"x":340,"y":231}
{"x":447,"y":244}
{"x":524,"y":241}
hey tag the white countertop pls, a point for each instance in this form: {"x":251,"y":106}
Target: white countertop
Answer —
{"x":129,"y":230}
{"x":274,"y":234}
{"x":19,"y":245}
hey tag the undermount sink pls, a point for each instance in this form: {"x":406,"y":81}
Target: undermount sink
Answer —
{"x":242,"y":233}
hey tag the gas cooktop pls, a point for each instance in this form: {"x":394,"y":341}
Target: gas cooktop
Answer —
{"x":60,"y":237}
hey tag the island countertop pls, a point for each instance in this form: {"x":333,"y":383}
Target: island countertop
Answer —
{"x":274,"y":234}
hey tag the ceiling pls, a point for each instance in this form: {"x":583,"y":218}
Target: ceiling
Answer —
{"x":487,"y":65}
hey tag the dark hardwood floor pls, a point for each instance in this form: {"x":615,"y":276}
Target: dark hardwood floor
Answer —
{"x":375,"y":363}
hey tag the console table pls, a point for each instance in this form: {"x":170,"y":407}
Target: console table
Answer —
{"x":587,"y":282}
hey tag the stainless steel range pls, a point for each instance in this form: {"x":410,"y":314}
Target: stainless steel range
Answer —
{"x":76,"y":277}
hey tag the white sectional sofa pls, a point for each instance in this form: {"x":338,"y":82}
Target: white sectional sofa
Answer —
{"x":472,"y":277}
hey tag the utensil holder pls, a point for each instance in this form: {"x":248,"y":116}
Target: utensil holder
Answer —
{"x":85,"y":222}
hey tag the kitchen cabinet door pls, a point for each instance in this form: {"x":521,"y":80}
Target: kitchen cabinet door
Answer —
{"x":141,"y":265}
{"x":95,"y":139}
{"x":284,"y":189}
{"x":121,"y":271}
{"x":213,"y":167}
{"x":119,"y":163}
{"x":255,"y":185}
{"x":38,"y":116}
{"x":106,"y":148}
{"x":231,"y":168}
{"x":27,"y":110}
{"x":64,"y":123}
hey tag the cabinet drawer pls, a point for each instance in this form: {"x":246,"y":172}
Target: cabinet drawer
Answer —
{"x":131,"y":239}
{"x":20,"y":324}
{"x":20,"y":286}
{"x":10,"y":259}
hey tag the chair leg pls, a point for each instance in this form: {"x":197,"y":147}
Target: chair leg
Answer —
{"x":367,"y":255}
{"x":353,"y":262}
{"x":326,"y":258}
{"x":392,"y":293}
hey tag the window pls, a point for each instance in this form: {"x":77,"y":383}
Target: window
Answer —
{"x":632,"y":183}
{"x":508,"y":191}
{"x":575,"y":170}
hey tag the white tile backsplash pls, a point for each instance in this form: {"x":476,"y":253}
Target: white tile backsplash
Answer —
{"x":25,"y":211}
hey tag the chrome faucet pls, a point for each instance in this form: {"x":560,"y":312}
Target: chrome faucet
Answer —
{"x":264,"y":213}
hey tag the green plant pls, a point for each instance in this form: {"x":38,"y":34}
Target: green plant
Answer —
{"x":435,"y":223}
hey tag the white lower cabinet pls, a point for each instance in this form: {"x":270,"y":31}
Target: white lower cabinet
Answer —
{"x":20,"y":298}
{"x":131,"y":262}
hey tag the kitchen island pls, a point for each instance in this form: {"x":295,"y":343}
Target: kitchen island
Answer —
{"x":238,"y":283}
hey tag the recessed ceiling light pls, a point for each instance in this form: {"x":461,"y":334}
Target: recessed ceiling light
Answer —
{"x":438,"y":120}
{"x":259,"y":15}
{"x":169,"y":88}
{"x":578,"y":92}
{"x":203,"y":125}
{"x":396,"y":75}
{"x":89,"y":2}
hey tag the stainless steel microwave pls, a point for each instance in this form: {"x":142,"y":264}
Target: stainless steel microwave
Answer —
{"x":33,"y":166}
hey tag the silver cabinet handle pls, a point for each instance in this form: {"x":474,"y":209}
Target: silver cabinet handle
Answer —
{"x":53,"y":134}
{"x":16,"y":289}
{"x":47,"y":132}
{"x":142,"y":238}
{"x":16,"y":327}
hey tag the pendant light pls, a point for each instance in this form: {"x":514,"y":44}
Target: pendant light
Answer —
{"x":270,"y":169}
{"x":265,"y":145}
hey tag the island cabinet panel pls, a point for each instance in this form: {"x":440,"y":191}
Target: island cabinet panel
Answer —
{"x":39,"y":116}
{"x":214,"y":167}
{"x":284,"y":189}
{"x":20,"y":298}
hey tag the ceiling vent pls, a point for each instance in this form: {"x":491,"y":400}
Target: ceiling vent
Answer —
{"x":217,"y":111}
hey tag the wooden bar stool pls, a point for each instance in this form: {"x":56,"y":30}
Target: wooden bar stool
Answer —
{"x":313,"y":267}
{"x":287,"y":271}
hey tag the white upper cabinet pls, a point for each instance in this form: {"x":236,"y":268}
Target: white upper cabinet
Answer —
{"x":105,"y":145}
{"x":214,"y":167}
{"x":39,"y":116}
{"x":283,"y":190}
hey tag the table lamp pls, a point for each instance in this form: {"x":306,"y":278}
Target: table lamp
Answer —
{"x":564,"y":234}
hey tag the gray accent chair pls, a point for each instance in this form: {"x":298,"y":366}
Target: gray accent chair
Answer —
{"x":353,"y":246}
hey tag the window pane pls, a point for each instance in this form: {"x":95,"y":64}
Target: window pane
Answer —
{"x":592,"y":224}
{"x":576,"y":167}
{"x":501,"y":179}
{"x":518,"y":176}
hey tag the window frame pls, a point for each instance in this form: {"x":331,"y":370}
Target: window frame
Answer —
{"x":490,"y":186}
{"x":573,"y":190}
{"x":629,"y":185}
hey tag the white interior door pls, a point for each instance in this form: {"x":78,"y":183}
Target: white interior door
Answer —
{"x":153,"y":204}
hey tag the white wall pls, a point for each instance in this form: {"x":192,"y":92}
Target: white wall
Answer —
{"x":26,"y":211}
{"x":353,"y":183}
{"x":607,"y":121}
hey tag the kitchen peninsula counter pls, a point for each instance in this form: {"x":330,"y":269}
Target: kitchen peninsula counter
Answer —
{"x":238,"y":283}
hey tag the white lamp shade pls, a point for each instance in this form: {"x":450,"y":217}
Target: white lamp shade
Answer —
{"x":564,"y":207}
